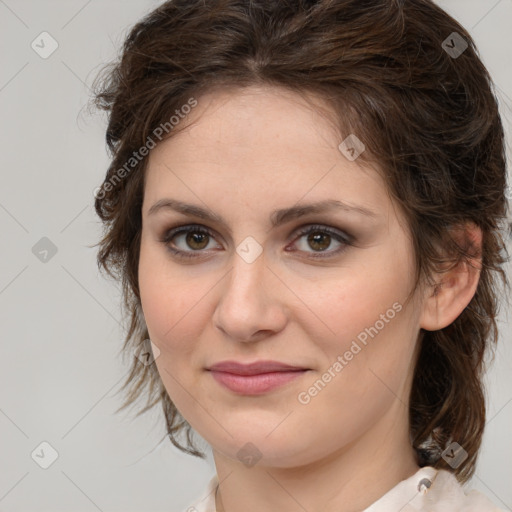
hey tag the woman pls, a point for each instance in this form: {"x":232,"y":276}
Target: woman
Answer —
{"x":304,"y":206}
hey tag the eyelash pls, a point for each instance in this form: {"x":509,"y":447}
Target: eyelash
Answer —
{"x":344,"y":238}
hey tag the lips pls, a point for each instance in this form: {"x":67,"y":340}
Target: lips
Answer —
{"x":255,"y":368}
{"x":255,"y":378}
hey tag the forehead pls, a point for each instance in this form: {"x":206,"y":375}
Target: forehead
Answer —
{"x":261,"y":142}
{"x":276,"y":117}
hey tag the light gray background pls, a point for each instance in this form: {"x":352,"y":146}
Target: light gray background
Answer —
{"x":61,"y":331}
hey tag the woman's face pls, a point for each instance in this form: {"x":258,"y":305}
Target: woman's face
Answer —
{"x":254,"y":288}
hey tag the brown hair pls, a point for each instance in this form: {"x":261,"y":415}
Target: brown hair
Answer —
{"x":428,"y":117}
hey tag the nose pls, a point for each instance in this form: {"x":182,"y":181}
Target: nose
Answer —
{"x":251,"y":302}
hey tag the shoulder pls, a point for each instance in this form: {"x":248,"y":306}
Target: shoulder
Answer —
{"x":447,"y":494}
{"x":443,"y":493}
{"x":206,"y":501}
{"x":432,"y":490}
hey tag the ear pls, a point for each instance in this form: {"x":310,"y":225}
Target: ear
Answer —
{"x":454,"y":288}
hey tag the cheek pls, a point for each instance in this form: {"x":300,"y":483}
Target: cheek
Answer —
{"x":162,"y":298}
{"x":360,"y":382}
{"x":154,"y":282}
{"x":374,"y":366}
{"x":368,"y":325}
{"x":171,"y":310}
{"x":175,"y":306}
{"x":341,"y":305}
{"x":154,"y":296}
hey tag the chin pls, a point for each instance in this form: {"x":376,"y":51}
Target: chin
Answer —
{"x":250,"y":447}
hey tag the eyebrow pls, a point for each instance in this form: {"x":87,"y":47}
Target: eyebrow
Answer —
{"x":277,"y":217}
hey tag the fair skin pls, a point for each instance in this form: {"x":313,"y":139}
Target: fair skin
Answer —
{"x":245,"y":154}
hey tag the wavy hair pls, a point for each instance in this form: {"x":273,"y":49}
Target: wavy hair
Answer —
{"x":390,"y":73}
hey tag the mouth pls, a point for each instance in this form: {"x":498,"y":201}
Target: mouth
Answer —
{"x":255,"y":378}
{"x":255,"y":368}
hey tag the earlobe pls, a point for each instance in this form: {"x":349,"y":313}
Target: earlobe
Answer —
{"x":455,"y":287}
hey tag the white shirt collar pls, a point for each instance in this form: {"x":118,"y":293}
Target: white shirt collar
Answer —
{"x":428,"y":490}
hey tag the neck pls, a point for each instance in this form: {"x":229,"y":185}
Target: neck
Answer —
{"x":348,"y":480}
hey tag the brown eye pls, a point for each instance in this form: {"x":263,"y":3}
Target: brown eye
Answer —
{"x":320,"y":238}
{"x":196,"y":238}
{"x":319,"y":241}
